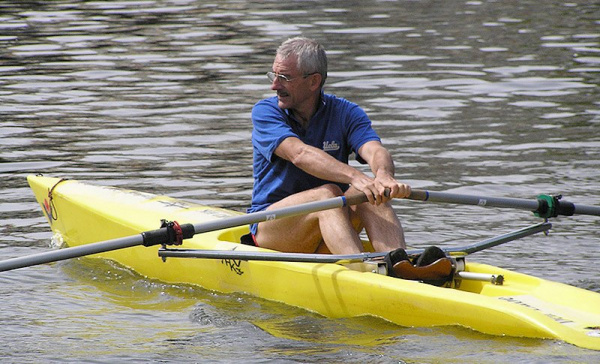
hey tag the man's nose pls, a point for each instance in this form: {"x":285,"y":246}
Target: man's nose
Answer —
{"x":276,"y":84}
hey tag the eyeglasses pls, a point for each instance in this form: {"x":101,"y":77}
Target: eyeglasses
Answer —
{"x":283,"y":78}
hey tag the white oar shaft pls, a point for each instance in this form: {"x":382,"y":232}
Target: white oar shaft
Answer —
{"x":587,"y":210}
{"x":281,"y":213}
{"x":69,"y":253}
{"x":447,"y":197}
{"x":161,"y":236}
{"x":543,"y":207}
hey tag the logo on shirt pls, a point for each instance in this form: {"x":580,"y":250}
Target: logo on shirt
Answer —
{"x":330,"y":146}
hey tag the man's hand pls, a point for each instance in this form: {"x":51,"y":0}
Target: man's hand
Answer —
{"x":397,"y":189}
{"x":375,"y":188}
{"x":382,"y":165}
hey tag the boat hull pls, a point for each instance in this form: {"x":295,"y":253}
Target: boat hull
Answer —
{"x":524,"y":306}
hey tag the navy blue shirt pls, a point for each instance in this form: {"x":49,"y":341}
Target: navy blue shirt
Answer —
{"x":339,"y":127}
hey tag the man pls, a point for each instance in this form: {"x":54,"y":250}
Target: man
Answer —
{"x":302,"y":139}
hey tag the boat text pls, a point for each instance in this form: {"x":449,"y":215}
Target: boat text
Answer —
{"x":559,"y":319}
{"x":234,"y":265}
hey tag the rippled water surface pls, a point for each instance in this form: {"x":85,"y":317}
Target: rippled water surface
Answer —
{"x":481,"y":97}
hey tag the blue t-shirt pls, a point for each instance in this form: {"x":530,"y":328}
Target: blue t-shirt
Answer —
{"x":339,"y":127}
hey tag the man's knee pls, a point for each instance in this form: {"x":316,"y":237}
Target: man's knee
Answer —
{"x":382,"y":209}
{"x":329,"y":190}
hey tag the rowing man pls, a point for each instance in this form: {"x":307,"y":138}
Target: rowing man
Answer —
{"x":302,"y":139}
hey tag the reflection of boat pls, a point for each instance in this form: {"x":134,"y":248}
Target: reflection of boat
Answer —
{"x":522,"y":306}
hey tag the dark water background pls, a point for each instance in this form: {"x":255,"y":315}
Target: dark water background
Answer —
{"x":496,"y":98}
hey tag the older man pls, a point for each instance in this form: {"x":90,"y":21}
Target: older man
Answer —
{"x":302,"y":139}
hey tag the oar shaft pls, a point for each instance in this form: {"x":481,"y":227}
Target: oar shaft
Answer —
{"x":433,"y":196}
{"x":587,"y":210}
{"x":544,"y":206}
{"x":69,"y":253}
{"x":164,"y":234}
{"x":280,"y":213}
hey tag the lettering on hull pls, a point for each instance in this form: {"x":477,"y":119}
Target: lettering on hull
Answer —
{"x":537,"y":305}
{"x":234,"y":265}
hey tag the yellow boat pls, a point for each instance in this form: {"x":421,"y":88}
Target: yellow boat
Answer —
{"x":517,"y":305}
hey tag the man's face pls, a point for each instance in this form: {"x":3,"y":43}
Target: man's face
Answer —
{"x":294,"y":94}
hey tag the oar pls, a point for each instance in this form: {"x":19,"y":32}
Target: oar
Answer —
{"x":544,"y":206}
{"x":173,"y":233}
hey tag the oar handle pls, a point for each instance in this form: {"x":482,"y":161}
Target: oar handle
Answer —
{"x":356,"y":199}
{"x":362,"y":198}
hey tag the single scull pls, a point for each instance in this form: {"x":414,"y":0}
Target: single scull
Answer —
{"x":115,"y":224}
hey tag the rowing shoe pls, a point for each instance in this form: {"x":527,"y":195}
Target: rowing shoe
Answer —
{"x":441,"y":269}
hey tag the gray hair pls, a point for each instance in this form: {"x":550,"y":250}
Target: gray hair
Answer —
{"x":310,"y":54}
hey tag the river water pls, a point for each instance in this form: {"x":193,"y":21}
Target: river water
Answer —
{"x":482,"y":97}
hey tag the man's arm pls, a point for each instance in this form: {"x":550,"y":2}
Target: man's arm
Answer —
{"x":382,"y":166}
{"x":318,"y":163}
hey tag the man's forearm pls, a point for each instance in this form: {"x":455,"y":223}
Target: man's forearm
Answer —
{"x":382,"y":163}
{"x":321,"y":165}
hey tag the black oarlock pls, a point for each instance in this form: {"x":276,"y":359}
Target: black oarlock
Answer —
{"x":170,"y":233}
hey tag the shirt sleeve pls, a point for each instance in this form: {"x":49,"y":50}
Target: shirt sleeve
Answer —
{"x":269,"y":128}
{"x":360,"y":130}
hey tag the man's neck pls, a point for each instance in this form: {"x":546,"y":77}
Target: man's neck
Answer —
{"x":303,"y":117}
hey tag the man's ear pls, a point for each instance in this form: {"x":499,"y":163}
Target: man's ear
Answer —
{"x":315,"y":81}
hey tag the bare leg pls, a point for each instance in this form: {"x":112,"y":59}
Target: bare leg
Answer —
{"x":382,"y":225}
{"x":305,"y":233}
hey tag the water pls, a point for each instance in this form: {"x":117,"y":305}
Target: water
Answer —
{"x":482,"y":97}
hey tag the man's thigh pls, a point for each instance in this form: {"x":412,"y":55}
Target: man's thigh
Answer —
{"x":292,"y":234}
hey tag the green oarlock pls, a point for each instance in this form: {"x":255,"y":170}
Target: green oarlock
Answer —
{"x":551,"y":206}
{"x":546,"y":207}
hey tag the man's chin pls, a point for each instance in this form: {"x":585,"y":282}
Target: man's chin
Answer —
{"x":282,"y":104}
